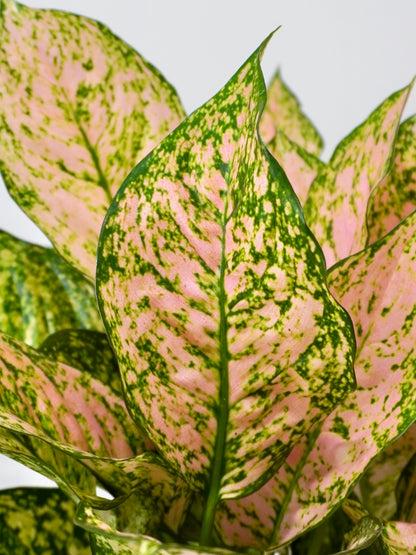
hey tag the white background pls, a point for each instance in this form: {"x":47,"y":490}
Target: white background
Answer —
{"x":340,"y":58}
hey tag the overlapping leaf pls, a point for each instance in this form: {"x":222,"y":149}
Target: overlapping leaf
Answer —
{"x":86,"y":350}
{"x":321,"y":470}
{"x":109,"y":536}
{"x":213,"y":292}
{"x":283,"y":113}
{"x":78,"y":109}
{"x":335,"y":209}
{"x":378,"y":485}
{"x":399,"y":538}
{"x":395,"y":197}
{"x":40,"y":293}
{"x":300,"y":166}
{"x":35,"y":520}
{"x":57,"y":407}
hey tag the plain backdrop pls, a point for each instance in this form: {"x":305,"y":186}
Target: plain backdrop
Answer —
{"x":341,"y":58}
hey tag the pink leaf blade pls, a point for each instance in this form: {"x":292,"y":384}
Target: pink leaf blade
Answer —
{"x":382,"y":408}
{"x":319,"y":473}
{"x":399,"y":537}
{"x":300,"y":166}
{"x":283,"y":113}
{"x":204,"y":236}
{"x":395,"y":196}
{"x":79,"y":108}
{"x":58,"y":407}
{"x":336,"y":206}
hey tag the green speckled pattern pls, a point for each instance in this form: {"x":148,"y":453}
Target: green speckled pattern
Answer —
{"x":321,"y":469}
{"x":283,"y":112}
{"x":40,"y":293}
{"x":336,"y":206}
{"x":395,"y":197}
{"x":213,"y":293}
{"x":60,"y":408}
{"x":300,"y":166}
{"x":78,"y":109}
{"x":36,"y":521}
{"x":399,"y":538}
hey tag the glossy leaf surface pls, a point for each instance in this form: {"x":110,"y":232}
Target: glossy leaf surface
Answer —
{"x":35,"y":520}
{"x":40,"y":293}
{"x":283,"y":112}
{"x":78,"y":109}
{"x":336,"y":206}
{"x":213,"y":293}
{"x":395,"y":197}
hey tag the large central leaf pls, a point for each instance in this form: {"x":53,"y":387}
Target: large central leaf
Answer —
{"x":213,"y":292}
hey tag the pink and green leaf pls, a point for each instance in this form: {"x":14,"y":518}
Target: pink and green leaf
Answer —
{"x":322,"y":468}
{"x":86,"y":350}
{"x":399,"y":538}
{"x":336,"y":207}
{"x":40,"y":293}
{"x":283,"y":113}
{"x":300,"y":166}
{"x":395,"y":197}
{"x":383,"y":310}
{"x":213,"y":293}
{"x":78,"y":109}
{"x":35,"y":520}
{"x":57,"y":407}
{"x":378,"y":485}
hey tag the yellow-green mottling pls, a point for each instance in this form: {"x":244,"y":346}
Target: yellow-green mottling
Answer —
{"x":204,"y":237}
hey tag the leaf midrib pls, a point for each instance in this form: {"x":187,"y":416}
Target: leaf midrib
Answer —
{"x":217,"y":467}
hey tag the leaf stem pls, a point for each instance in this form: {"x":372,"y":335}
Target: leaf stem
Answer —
{"x":223,"y":405}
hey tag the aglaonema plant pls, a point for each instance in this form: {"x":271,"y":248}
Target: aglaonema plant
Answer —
{"x":245,"y":382}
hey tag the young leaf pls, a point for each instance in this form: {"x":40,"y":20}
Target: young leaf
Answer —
{"x":78,"y":109}
{"x":363,"y":535}
{"x":335,"y":209}
{"x":399,"y":538}
{"x":283,"y":113}
{"x":86,"y":350}
{"x":35,"y":520}
{"x":395,"y":197}
{"x":321,"y":469}
{"x":300,"y":166}
{"x":213,"y":293}
{"x":40,"y":293}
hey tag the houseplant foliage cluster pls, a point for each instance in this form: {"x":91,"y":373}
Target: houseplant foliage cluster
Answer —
{"x":222,"y":336}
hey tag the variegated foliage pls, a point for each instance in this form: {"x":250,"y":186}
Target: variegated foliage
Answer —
{"x":78,"y":109}
{"x":336,"y":206}
{"x":395,"y":196}
{"x":291,"y":137}
{"x":34,"y":521}
{"x":40,"y":293}
{"x":213,"y":293}
{"x":321,"y":469}
{"x":243,"y":424}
